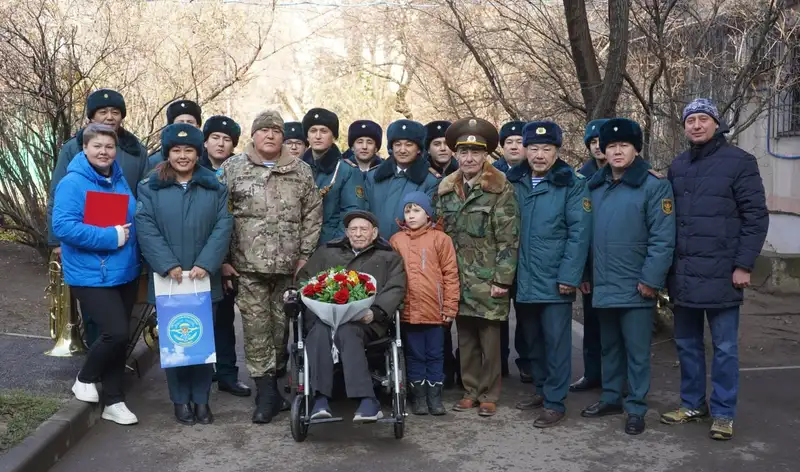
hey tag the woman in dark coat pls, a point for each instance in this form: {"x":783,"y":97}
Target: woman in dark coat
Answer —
{"x":183,"y":224}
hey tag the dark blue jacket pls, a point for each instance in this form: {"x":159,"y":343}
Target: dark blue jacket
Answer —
{"x":131,"y":157}
{"x":555,"y":232}
{"x":502,"y":165}
{"x":633,"y":237}
{"x":90,"y":254}
{"x":722,"y":222}
{"x":184,"y":228}
{"x":346,"y":194}
{"x":589,"y":168}
{"x":386,"y":189}
{"x":154,"y":159}
{"x":451,"y":166}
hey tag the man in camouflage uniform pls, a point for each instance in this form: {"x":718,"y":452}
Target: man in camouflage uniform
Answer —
{"x":277,"y":215}
{"x":481,"y":214}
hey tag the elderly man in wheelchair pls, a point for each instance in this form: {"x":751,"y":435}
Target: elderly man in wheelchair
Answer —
{"x":313,"y":365}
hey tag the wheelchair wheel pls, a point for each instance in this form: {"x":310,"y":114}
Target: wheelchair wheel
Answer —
{"x":399,"y":398}
{"x":299,"y":426}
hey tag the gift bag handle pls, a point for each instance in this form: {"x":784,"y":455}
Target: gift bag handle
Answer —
{"x":171,"y":280}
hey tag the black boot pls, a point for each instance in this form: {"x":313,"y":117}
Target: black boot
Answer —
{"x":184,"y":414}
{"x":268,"y":400}
{"x":419,"y":403}
{"x":435,"y":405}
{"x":203,"y":414}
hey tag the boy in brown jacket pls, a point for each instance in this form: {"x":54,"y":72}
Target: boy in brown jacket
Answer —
{"x":431,"y":300}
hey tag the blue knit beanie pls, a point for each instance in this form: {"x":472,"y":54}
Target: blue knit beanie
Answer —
{"x":421,"y":199}
{"x":701,"y":105}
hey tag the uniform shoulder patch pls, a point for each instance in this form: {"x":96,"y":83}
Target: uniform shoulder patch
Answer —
{"x":435,"y":174}
{"x":655,"y":173}
{"x":350,"y":163}
{"x":579,"y":175}
{"x":587,"y":205}
{"x":359,"y":191}
{"x":220,"y":173}
{"x":666,"y":206}
{"x":145,"y":180}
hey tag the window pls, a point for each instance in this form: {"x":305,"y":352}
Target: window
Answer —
{"x":785,"y":114}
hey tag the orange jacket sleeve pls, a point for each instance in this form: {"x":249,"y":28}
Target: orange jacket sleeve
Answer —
{"x":452,"y":287}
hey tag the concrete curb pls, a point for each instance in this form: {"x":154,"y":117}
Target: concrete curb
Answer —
{"x":53,"y":438}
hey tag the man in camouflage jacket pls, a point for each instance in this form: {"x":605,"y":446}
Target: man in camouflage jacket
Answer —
{"x":277,"y":213}
{"x":481,"y":214}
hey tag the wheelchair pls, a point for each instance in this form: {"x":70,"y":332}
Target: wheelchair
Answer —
{"x":387,"y":366}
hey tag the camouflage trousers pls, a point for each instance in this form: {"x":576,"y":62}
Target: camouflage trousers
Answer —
{"x":266,"y":329}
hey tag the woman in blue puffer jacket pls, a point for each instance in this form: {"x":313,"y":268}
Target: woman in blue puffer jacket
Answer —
{"x":101,"y":266}
{"x":184,"y":224}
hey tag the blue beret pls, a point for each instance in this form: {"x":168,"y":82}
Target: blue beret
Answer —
{"x":435,"y":130}
{"x":222,"y":124}
{"x":365,"y":129}
{"x":542,"y":132}
{"x":181,"y":134}
{"x":621,"y":130}
{"x":512,"y":128}
{"x":103,"y":98}
{"x":321,"y":117}
{"x":593,"y":130}
{"x":184,"y":107}
{"x":406,"y":129}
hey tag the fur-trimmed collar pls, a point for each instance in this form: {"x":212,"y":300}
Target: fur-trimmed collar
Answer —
{"x":490,"y":181}
{"x":283,"y":160}
{"x":127,"y":142}
{"x":417,"y":172}
{"x":451,"y":166}
{"x":373,"y":163}
{"x":325,"y":164}
{"x":560,"y":174}
{"x":589,"y":168}
{"x":344,"y":243}
{"x":634,"y":176}
{"x":201,"y":176}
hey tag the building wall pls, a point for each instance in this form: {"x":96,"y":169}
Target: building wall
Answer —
{"x":779,"y":163}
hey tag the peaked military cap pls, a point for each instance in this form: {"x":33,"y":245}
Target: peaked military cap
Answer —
{"x":184,"y":107}
{"x":472,"y":132}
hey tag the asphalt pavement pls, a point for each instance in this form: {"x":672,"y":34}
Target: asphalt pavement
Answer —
{"x":766,"y":429}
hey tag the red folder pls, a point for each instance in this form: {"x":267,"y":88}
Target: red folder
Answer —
{"x":105,"y":209}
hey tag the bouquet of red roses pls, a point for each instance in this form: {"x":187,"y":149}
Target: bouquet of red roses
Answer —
{"x":338,"y":296}
{"x":339,"y":286}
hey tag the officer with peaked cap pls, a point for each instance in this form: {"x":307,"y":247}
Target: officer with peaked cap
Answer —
{"x":481,"y":215}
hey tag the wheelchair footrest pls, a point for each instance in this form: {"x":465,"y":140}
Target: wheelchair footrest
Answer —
{"x":325,"y":420}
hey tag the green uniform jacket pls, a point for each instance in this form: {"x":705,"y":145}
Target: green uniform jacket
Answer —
{"x":184,"y":228}
{"x":344,"y":195}
{"x":634,"y":235}
{"x":556,"y":225}
{"x":484,"y":226}
{"x":131,"y":157}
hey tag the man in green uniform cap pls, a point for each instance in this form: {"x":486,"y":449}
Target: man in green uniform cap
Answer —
{"x":481,"y":214}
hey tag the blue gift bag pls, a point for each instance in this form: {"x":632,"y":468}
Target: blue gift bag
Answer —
{"x":185,"y":321}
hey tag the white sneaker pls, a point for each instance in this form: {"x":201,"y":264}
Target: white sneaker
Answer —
{"x":119,"y":413}
{"x":85,"y":392}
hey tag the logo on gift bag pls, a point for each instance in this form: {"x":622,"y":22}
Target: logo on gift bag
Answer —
{"x":185,"y":330}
